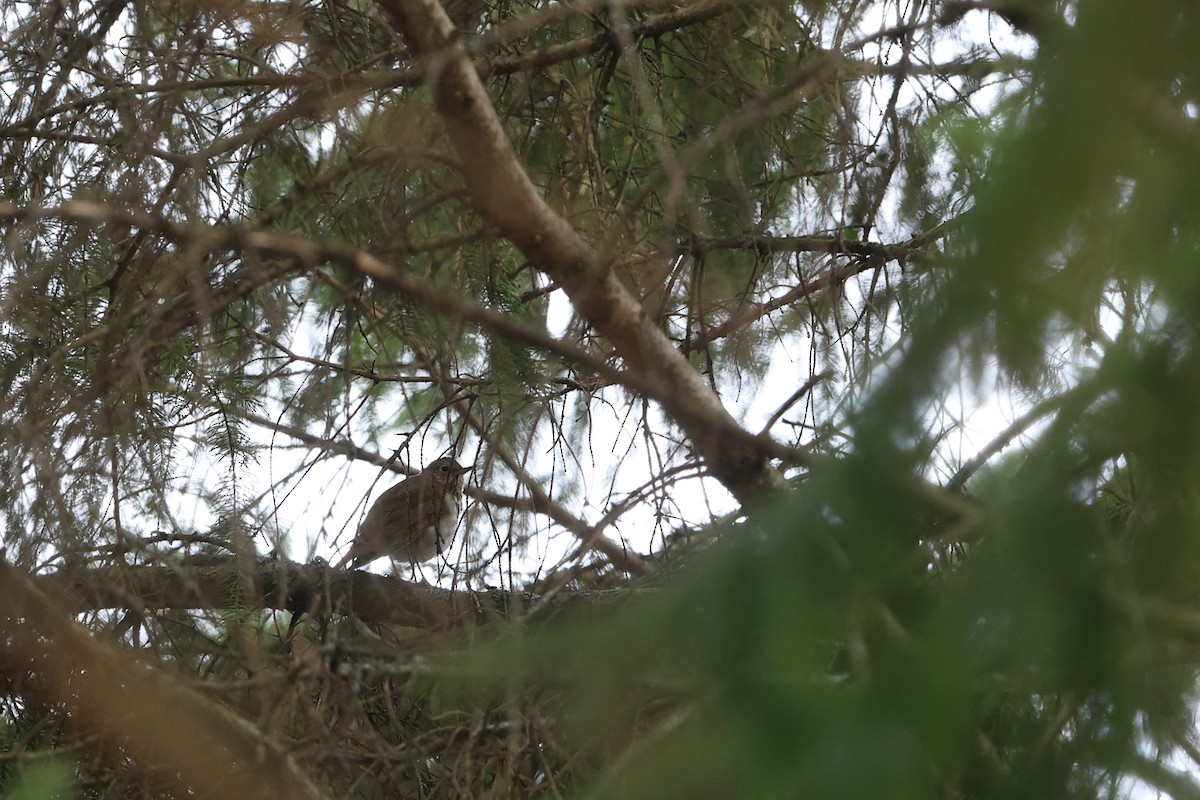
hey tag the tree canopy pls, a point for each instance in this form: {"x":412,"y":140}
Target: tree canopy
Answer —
{"x":828,"y":371}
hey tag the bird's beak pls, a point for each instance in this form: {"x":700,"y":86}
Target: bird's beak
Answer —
{"x":462,"y":470}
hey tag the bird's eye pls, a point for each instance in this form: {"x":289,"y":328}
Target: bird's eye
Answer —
{"x":444,"y":468}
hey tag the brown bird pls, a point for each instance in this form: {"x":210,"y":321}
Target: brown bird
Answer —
{"x":412,"y":520}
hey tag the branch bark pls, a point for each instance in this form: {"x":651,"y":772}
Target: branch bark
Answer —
{"x":176,"y":737}
{"x":504,"y":194}
{"x":309,"y":588}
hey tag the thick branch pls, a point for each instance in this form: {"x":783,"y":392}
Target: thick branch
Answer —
{"x":287,"y":586}
{"x":506,"y":196}
{"x":173,"y":735}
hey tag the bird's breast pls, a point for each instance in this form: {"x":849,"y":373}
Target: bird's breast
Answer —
{"x":449,"y":519}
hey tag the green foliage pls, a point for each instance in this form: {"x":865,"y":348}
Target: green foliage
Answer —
{"x":40,"y":780}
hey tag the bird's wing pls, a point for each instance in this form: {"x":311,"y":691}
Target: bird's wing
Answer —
{"x":399,"y":505}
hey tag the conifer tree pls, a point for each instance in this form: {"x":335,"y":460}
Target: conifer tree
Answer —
{"x":828,"y":372}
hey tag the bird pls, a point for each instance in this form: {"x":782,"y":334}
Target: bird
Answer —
{"x":412,"y":520}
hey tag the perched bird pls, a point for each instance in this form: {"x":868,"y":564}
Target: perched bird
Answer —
{"x":412,"y":520}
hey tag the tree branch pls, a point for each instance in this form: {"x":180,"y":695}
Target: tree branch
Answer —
{"x":173,"y":735}
{"x":506,"y":196}
{"x":300,"y":588}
